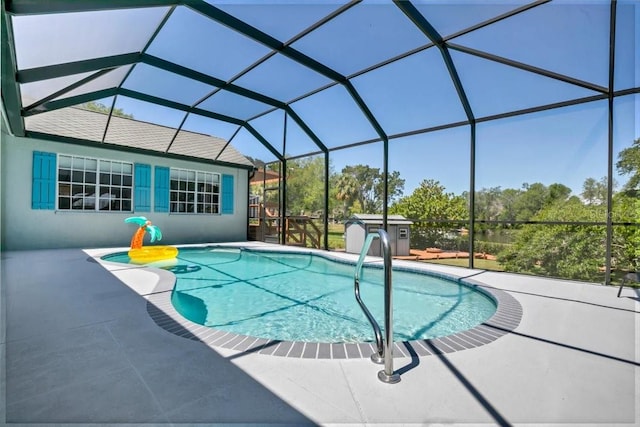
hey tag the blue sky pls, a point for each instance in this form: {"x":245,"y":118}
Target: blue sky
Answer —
{"x":566,"y":145}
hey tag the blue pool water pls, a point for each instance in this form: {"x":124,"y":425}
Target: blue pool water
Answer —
{"x":305,"y":297}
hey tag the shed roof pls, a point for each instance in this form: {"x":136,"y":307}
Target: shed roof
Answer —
{"x":377,"y":219}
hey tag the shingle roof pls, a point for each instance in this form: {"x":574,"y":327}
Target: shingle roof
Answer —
{"x":90,"y":125}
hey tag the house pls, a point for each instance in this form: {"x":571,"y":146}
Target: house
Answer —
{"x":68,"y":183}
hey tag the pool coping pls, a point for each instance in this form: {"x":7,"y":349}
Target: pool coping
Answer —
{"x":161,"y":310}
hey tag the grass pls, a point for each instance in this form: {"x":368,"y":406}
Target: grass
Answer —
{"x":483,"y":264}
{"x":336,"y":236}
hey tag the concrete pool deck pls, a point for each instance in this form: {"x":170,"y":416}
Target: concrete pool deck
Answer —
{"x":78,"y":346}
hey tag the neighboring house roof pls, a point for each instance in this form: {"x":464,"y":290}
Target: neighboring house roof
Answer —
{"x":89,"y":125}
{"x":265,"y":176}
{"x":377,"y":219}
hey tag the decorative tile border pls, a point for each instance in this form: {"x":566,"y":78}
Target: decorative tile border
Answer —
{"x":506,"y":318}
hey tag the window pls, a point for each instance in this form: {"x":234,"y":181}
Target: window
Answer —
{"x":403,"y":233}
{"x":194,"y":191}
{"x":91,"y":184}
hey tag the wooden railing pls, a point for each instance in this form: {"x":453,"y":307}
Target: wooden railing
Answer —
{"x":301,"y":230}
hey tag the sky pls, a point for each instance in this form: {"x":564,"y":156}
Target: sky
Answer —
{"x":565,"y":145}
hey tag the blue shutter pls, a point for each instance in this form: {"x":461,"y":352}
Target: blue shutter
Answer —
{"x":161,"y":189}
{"x":142,"y":191}
{"x":227,"y":194}
{"x":43,"y":187}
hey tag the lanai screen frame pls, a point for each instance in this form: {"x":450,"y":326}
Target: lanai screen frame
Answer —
{"x":15,"y":112}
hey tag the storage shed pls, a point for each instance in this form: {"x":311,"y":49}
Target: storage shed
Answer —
{"x":360,"y":225}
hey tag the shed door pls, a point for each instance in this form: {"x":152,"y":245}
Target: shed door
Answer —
{"x":376,"y":248}
{"x":393,"y":239}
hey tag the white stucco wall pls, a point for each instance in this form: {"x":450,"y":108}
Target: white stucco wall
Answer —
{"x":26,"y":228}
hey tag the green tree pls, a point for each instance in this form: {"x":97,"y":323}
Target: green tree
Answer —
{"x":347,"y":188}
{"x":577,"y":251}
{"x":305,"y":186}
{"x":535,"y":197}
{"x":594,"y":192}
{"x":488,"y":204}
{"x":427,"y":203}
{"x":625,"y":247}
{"x":626,"y":206}
{"x":590,"y":191}
{"x":395,"y":187}
{"x":557,"y":193}
{"x":563,"y":250}
{"x":629,"y":164}
{"x":101,"y":108}
{"x":508,"y":198}
{"x":370,"y":188}
{"x":531,"y":200}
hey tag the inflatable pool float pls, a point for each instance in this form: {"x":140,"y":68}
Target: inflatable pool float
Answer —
{"x":147,"y":254}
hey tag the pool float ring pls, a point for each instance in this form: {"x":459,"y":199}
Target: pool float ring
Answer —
{"x":147,"y":254}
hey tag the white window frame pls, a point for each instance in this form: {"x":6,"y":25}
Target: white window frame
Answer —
{"x":194,"y":192}
{"x":84,"y":188}
{"x":403,"y":232}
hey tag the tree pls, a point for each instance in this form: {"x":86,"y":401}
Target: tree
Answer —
{"x":346,"y":191}
{"x":531,"y":200}
{"x":625,"y":246}
{"x":305,"y":186}
{"x":590,"y":191}
{"x":101,"y":108}
{"x":428,"y":203}
{"x":629,"y":164}
{"x":563,"y":250}
{"x":257,"y":162}
{"x":488,"y":204}
{"x":576,"y":251}
{"x":535,"y":197}
{"x":557,"y":193}
{"x":595,"y":192}
{"x":395,"y":187}
{"x":370,"y":186}
{"x":508,"y":197}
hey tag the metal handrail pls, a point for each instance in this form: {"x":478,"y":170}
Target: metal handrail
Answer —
{"x":379,"y":356}
{"x":385,"y":347}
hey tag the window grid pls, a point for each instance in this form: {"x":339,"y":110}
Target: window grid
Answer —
{"x":403,"y":233}
{"x":90,"y":184}
{"x":194,"y":192}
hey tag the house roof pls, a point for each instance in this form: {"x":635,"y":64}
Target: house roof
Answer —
{"x":267,"y":176}
{"x":377,"y":219}
{"x":82,"y":124}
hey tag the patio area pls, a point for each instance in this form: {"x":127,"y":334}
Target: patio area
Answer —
{"x":79,"y":346}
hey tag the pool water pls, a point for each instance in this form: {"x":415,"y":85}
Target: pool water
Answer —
{"x":306,"y":297}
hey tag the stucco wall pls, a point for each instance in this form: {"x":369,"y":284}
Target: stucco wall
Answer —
{"x":26,"y":228}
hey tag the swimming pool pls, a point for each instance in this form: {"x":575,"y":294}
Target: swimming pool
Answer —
{"x":307,"y":297}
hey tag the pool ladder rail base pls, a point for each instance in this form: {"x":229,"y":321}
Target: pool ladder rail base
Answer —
{"x":384,"y":346}
{"x":389,"y":379}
